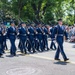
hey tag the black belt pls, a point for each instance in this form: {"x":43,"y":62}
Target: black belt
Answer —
{"x":60,"y":35}
{"x":39,"y":33}
{"x":31,"y":34}
{"x":12,"y":33}
{"x":0,"y":34}
{"x":23,"y":34}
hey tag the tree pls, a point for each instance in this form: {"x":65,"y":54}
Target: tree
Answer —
{"x":39,"y":10}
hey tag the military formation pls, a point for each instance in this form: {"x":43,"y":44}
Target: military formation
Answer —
{"x":33,"y":38}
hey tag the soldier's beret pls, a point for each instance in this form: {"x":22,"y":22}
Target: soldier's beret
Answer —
{"x":59,"y":19}
{"x":22,"y":23}
{"x":12,"y":22}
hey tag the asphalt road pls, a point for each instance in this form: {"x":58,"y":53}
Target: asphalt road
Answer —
{"x":38,"y":63}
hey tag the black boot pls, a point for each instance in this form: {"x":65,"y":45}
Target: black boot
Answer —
{"x":66,"y":59}
{"x":1,"y":55}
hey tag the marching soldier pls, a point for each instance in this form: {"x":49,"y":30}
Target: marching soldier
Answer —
{"x":23,"y":37}
{"x":45,"y":36}
{"x":40,"y":36}
{"x":60,"y":32}
{"x":1,"y":41}
{"x":52,"y":46}
{"x":4,"y":38}
{"x":19,"y":45}
{"x":12,"y":37}
{"x":31,"y":38}
{"x":36,"y":39}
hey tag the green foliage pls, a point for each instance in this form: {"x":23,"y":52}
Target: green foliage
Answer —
{"x":42,"y":10}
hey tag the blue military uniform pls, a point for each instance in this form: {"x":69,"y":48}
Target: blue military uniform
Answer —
{"x":45,"y":36}
{"x":1,"y":42}
{"x":4,"y":39}
{"x":52,"y":46}
{"x":31,"y":38}
{"x":18,"y":36}
{"x":36,"y":40}
{"x":40,"y":37}
{"x":23,"y":39}
{"x":12,"y":37}
{"x":60,"y":32}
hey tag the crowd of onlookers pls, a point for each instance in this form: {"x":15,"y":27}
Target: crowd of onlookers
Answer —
{"x":71,"y":33}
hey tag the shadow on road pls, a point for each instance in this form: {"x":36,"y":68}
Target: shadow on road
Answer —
{"x":61,"y":63}
{"x":10,"y":56}
{"x":1,"y":57}
{"x":73,"y":46}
